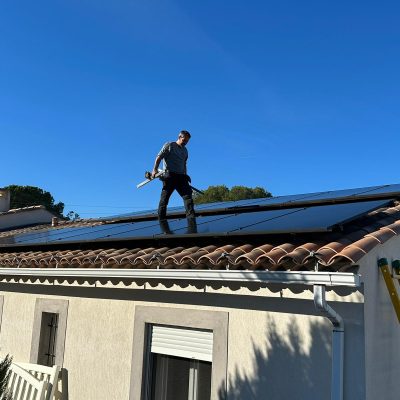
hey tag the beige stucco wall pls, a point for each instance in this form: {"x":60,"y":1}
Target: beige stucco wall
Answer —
{"x":275,"y":337}
{"x":25,"y":218}
{"x":17,"y":323}
{"x":382,"y":329}
{"x":98,"y":348}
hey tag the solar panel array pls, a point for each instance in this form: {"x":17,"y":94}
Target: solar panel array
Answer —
{"x":294,"y":220}
{"x":387,"y":191}
{"x":295,"y":214}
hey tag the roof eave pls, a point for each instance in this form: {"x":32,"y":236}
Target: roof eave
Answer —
{"x":307,"y":278}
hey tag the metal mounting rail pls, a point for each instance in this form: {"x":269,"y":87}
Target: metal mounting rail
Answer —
{"x":389,"y":277}
{"x":283,"y":277}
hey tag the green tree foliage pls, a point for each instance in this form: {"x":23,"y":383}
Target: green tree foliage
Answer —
{"x":72,"y":216}
{"x":5,"y":377}
{"x":222,"y":193}
{"x":25,"y":196}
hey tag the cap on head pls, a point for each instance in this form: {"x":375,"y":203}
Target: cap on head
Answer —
{"x":185,"y":133}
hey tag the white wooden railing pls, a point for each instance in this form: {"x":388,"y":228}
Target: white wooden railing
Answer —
{"x":33,"y":381}
{"x":49,"y":375}
{"x":24,"y":386}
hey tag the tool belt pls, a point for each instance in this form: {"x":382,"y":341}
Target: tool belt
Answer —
{"x":168,"y":174}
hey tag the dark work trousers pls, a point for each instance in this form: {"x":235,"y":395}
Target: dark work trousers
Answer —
{"x":179,"y":183}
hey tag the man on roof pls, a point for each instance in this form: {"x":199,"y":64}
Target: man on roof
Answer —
{"x":175,"y":157}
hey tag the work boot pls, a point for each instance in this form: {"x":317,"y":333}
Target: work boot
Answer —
{"x":189,"y":206}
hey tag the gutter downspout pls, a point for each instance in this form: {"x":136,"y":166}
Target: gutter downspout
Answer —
{"x":337,"y":341}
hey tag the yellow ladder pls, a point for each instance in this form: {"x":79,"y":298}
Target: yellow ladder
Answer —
{"x":389,"y":277}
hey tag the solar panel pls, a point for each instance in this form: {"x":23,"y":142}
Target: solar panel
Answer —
{"x":346,"y":194}
{"x":365,"y":193}
{"x":72,"y":234}
{"x":294,"y":220}
{"x":140,"y":213}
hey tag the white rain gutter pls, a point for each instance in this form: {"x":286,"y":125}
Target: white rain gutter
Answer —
{"x":282,"y":277}
{"x":337,"y":341}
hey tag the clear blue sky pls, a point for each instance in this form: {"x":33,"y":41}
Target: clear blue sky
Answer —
{"x":294,"y":96}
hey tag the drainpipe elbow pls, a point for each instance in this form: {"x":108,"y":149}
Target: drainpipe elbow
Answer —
{"x":327,"y":311}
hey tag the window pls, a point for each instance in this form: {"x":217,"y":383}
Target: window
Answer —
{"x":177,"y":378}
{"x":48,"y":334}
{"x":47,"y":341}
{"x":179,"y":354}
{"x":179,"y":363}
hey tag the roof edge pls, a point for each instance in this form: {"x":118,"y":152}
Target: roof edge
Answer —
{"x":282,"y":277}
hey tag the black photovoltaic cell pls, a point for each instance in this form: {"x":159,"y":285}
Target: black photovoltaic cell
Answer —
{"x":305,"y":219}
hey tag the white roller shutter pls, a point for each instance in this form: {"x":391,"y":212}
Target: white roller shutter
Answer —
{"x":181,"y":342}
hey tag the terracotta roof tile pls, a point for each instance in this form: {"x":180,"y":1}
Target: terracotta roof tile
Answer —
{"x":252,"y":257}
{"x":177,"y":258}
{"x":382,"y":235}
{"x":61,"y":225}
{"x":22,"y":209}
{"x":395,"y":227}
{"x":219,"y":255}
{"x":194,"y":257}
{"x":277,"y":253}
{"x":350,"y":253}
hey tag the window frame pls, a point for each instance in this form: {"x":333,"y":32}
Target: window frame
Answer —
{"x":145,"y":316}
{"x":53,"y":306}
{"x":48,"y":339}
